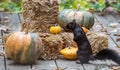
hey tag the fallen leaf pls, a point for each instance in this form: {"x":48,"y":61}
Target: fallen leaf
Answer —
{"x":6,"y":19}
{"x":118,"y":39}
{"x":4,"y":28}
{"x":115,"y":67}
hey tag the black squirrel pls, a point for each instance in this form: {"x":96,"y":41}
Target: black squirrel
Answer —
{"x":84,"y":53}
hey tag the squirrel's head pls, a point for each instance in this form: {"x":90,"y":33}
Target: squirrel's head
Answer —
{"x":71,"y":25}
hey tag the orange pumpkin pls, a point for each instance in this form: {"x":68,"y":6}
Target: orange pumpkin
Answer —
{"x":85,"y":29}
{"x":69,"y":52}
{"x":55,"y":29}
{"x":23,"y":48}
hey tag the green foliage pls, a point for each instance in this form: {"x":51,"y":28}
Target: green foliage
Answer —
{"x":99,"y":5}
{"x":117,"y":7}
{"x":66,"y":4}
{"x":74,"y":4}
{"x":84,"y":5}
{"x":9,"y":6}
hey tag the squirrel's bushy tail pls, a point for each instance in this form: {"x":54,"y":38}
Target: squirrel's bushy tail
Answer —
{"x":108,"y":54}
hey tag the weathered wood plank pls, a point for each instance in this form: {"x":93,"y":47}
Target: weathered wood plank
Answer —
{"x":105,"y":24}
{"x":13,"y":66}
{"x":13,"y":21}
{"x":101,"y":20}
{"x":96,"y":27}
{"x":99,"y":64}
{"x":71,"y":65}
{"x":111,"y":43}
{"x":1,"y":48}
{"x":2,"y":63}
{"x":106,"y":20}
{"x":110,"y":62}
{"x":89,"y":67}
{"x":44,"y":65}
{"x":115,"y":39}
{"x":117,"y":17}
{"x":64,"y":64}
{"x":20,"y":17}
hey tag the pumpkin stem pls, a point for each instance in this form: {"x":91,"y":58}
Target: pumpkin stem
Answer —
{"x":78,"y":8}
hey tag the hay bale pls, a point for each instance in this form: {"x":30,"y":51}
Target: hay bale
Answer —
{"x":54,"y":43}
{"x":52,"y":46}
{"x":39,"y":14}
{"x":98,"y":41}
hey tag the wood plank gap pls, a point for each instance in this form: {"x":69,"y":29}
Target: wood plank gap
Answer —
{"x":114,"y":41}
{"x":83,"y":66}
{"x":19,"y":17}
{"x":99,"y":21}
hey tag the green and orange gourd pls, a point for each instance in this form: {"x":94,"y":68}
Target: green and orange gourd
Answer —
{"x":84,"y":18}
{"x":23,"y":48}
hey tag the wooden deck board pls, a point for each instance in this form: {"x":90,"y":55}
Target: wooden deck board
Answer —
{"x":111,"y":43}
{"x":20,"y":17}
{"x":110,"y":62}
{"x":1,"y":63}
{"x":89,"y":67}
{"x":106,"y":20}
{"x":117,"y":17}
{"x":69,"y":65}
{"x":44,"y":65}
{"x":13,"y":23}
{"x":64,"y":64}
{"x":98,"y":65}
{"x":96,"y":27}
{"x":13,"y":66}
{"x":115,"y":39}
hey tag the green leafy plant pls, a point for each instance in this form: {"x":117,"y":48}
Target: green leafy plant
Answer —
{"x":74,"y":4}
{"x":99,"y":5}
{"x":9,"y":6}
{"x":84,"y":5}
{"x":116,"y":6}
{"x":66,"y":4}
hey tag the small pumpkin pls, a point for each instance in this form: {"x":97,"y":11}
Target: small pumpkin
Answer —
{"x":23,"y":48}
{"x":84,"y":18}
{"x":69,"y":53}
{"x":85,"y":29}
{"x":55,"y":29}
